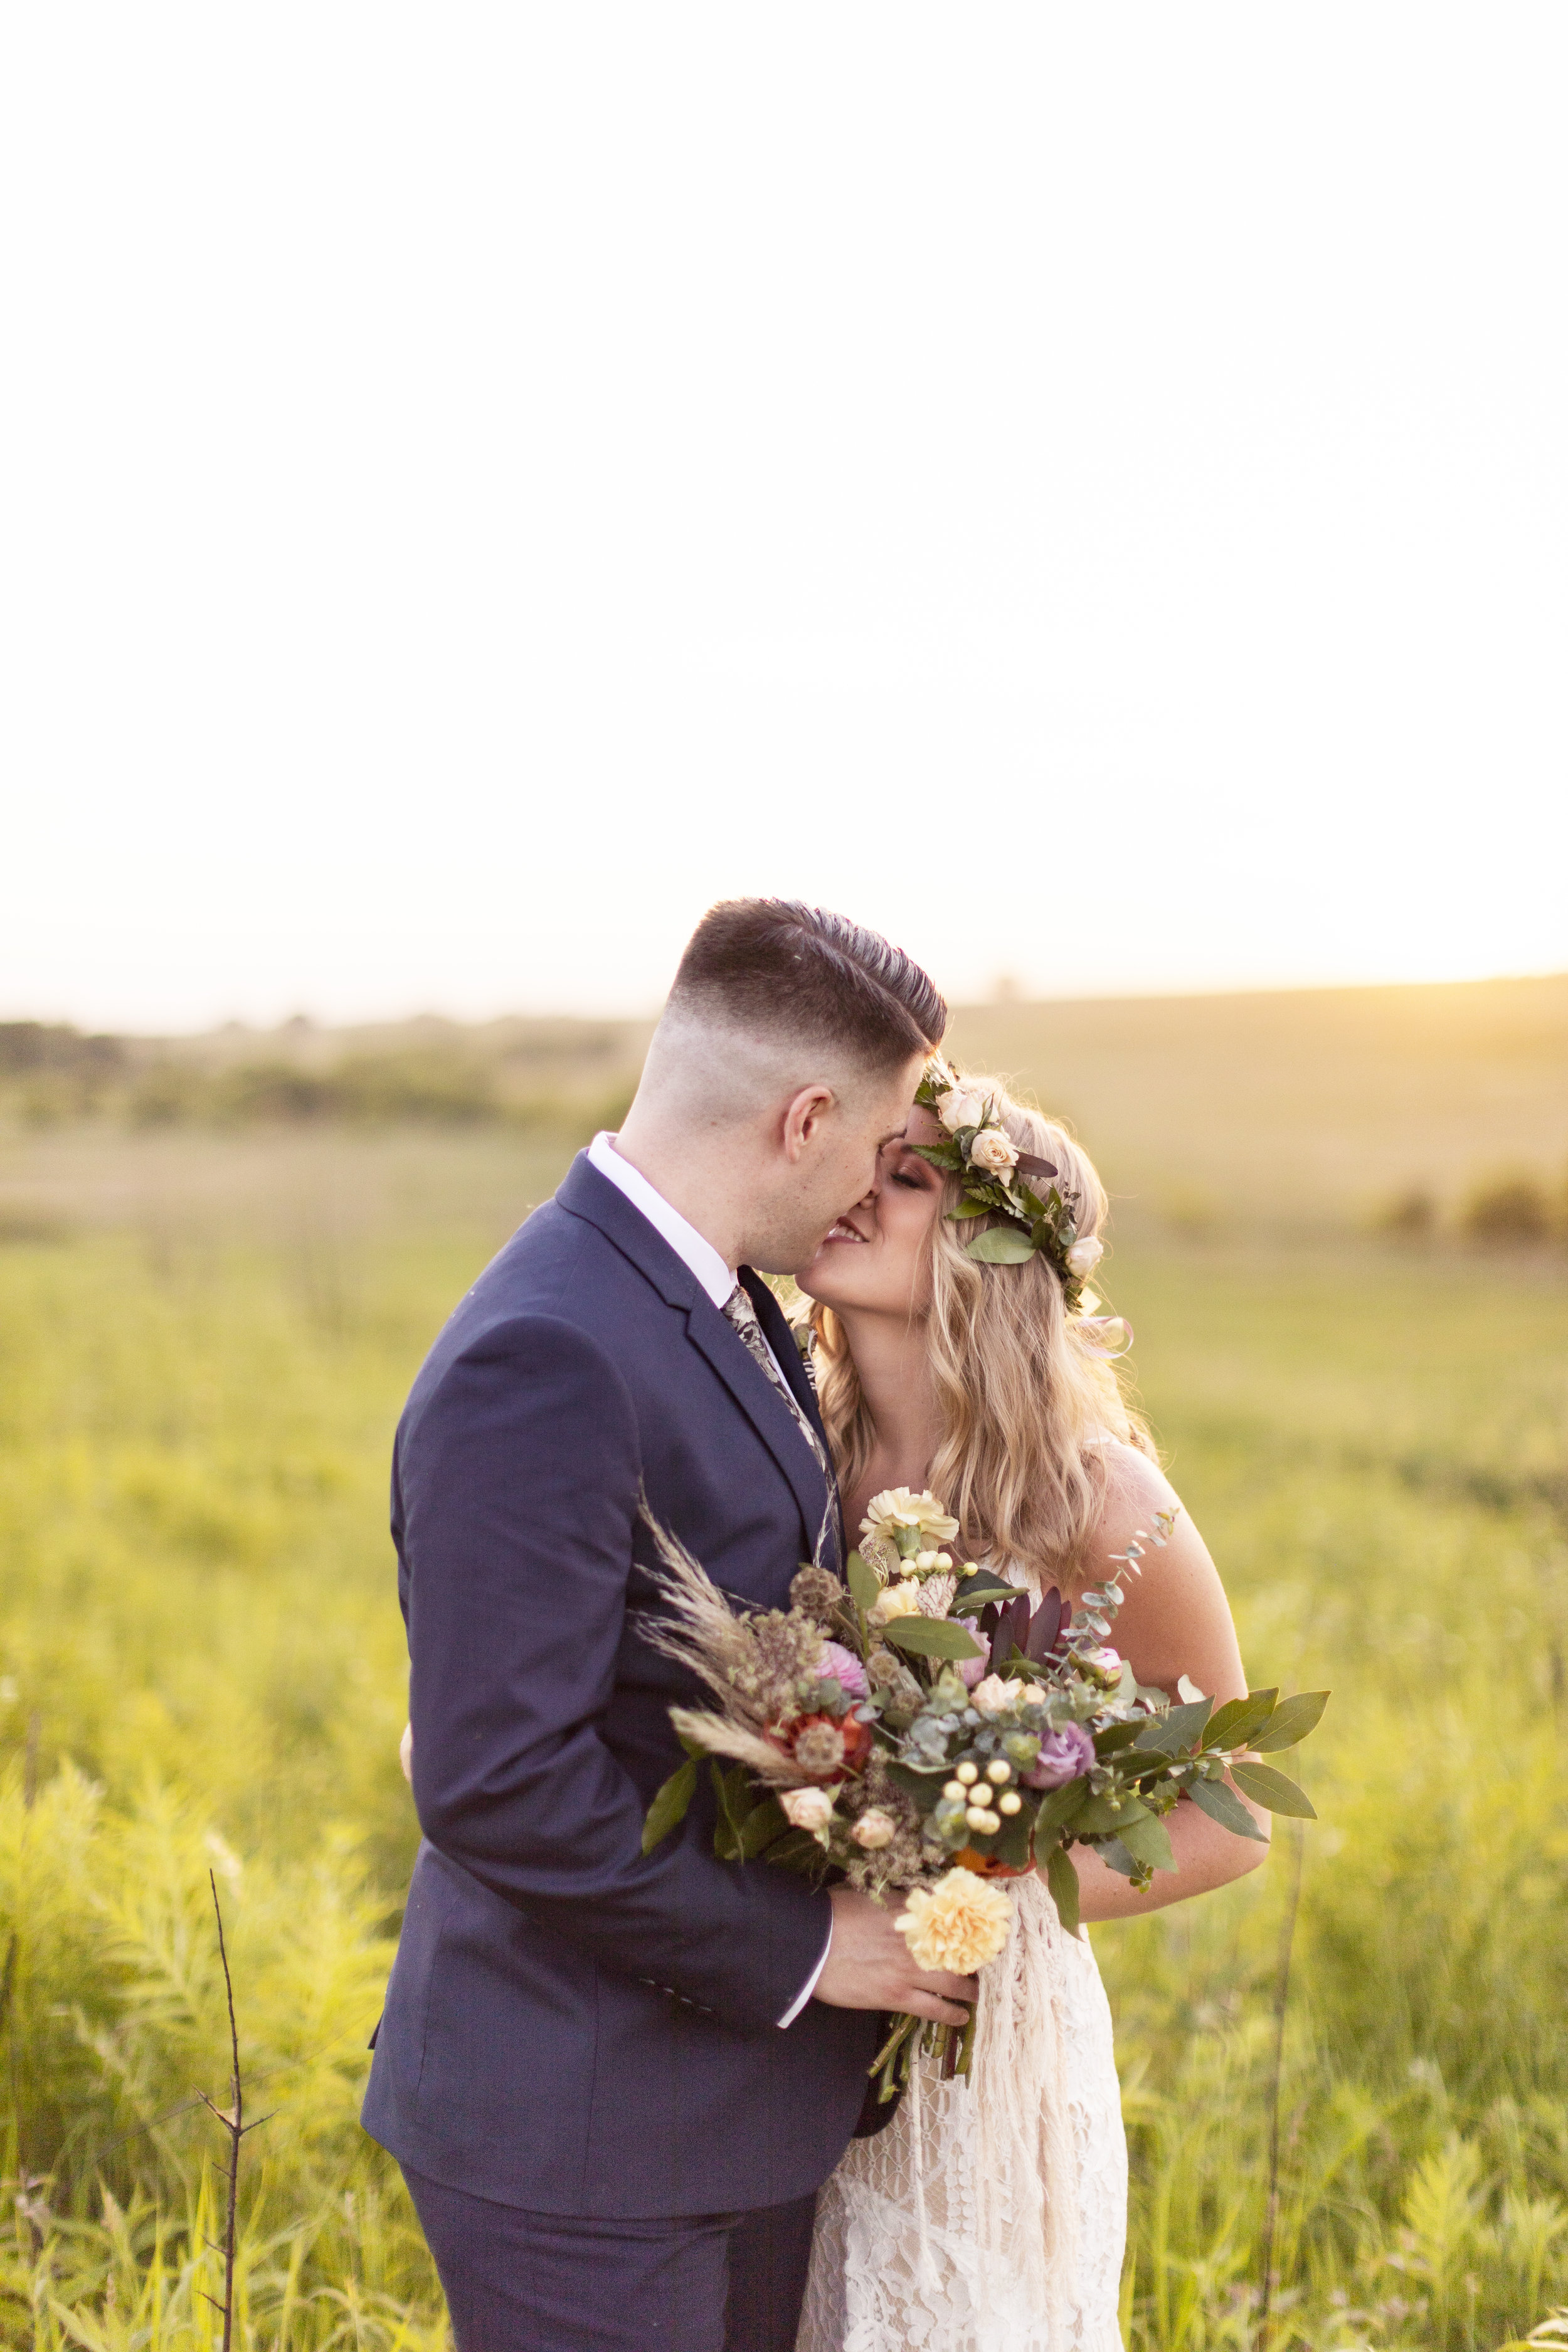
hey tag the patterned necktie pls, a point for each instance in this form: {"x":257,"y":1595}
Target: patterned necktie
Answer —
{"x":740,"y":1312}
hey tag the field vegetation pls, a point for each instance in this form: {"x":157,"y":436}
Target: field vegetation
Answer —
{"x":1348,"y":2075}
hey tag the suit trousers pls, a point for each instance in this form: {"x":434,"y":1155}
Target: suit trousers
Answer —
{"x":523,"y":2282}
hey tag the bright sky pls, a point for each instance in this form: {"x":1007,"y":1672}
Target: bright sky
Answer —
{"x":1082,"y":488}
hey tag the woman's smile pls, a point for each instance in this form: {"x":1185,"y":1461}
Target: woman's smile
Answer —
{"x":844,"y":1232}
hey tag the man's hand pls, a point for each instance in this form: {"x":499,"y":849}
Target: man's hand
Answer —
{"x":869,"y":1965}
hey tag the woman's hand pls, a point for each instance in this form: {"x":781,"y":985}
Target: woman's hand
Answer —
{"x":406,"y":1753}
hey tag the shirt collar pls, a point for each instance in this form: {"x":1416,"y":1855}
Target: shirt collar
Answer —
{"x":689,"y":1245}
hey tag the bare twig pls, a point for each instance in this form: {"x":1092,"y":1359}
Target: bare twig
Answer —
{"x":232,"y":2121}
{"x":1281,"y":1999}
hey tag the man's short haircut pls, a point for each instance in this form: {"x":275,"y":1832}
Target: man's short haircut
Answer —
{"x":777,"y":967}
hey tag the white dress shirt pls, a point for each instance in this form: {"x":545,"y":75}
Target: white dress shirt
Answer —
{"x":717,"y":1280}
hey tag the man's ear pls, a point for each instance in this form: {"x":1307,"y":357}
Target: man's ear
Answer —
{"x":803,"y":1119}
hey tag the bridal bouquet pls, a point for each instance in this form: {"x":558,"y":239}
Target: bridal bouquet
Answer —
{"x":924,"y":1730}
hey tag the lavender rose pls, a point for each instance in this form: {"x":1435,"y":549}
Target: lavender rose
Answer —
{"x":1064,"y":1756}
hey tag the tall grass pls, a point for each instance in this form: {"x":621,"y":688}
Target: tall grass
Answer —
{"x":196,"y":1604}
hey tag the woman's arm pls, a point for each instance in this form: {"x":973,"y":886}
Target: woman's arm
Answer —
{"x":1175,"y":1620}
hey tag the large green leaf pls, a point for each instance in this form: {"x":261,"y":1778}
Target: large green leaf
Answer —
{"x":1290,"y":1721}
{"x":1239,"y":1718}
{"x":1177,"y":1728}
{"x":1003,"y":1246}
{"x":1224,"y":1806}
{"x":763,"y":1824}
{"x":1062,"y":1879}
{"x":798,"y":1849}
{"x":932,"y":1637}
{"x":1100,"y":1819}
{"x":1269,"y":1787}
{"x":974,"y":1591}
{"x":669,"y":1808}
{"x":1149,"y":1840}
{"x":1115,"y":1735}
{"x":861,"y":1579}
{"x":731,"y":1787}
{"x":1011,"y":1841}
{"x":1058,"y":1809}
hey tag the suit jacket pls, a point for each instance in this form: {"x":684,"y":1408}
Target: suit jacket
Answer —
{"x":572,"y":2026}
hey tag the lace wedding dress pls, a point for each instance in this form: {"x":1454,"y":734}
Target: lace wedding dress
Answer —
{"x":990,"y":2215}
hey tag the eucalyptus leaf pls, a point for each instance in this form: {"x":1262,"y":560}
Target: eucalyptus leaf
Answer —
{"x":1062,"y":1879}
{"x":1266,"y":1787}
{"x":932,"y":1637}
{"x":970,"y":1208}
{"x":1224,"y":1806}
{"x":1290,"y":1721}
{"x":1118,"y":1856}
{"x":670,"y":1803}
{"x":861,"y":1579}
{"x":1003,"y":1246}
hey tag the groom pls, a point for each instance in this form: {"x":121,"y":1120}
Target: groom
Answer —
{"x":615,"y":2082}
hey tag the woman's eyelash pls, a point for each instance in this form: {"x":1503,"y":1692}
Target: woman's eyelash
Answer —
{"x":914,"y":1183}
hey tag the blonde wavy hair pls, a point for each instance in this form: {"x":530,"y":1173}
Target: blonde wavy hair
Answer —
{"x":1025,"y":1393}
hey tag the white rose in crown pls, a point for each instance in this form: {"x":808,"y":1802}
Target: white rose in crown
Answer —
{"x":806,"y":1809}
{"x":958,"y":1108}
{"x":1084,"y":1256}
{"x":994,"y":1152}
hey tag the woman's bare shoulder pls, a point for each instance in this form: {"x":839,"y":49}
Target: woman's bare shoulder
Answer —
{"x":1137,"y":1491}
{"x":1175,"y":1619}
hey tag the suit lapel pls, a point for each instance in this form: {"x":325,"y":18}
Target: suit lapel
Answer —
{"x":585,"y":1193}
{"x":771,"y":1418}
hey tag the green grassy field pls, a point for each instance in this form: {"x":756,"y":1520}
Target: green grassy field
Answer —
{"x":202,"y":1667}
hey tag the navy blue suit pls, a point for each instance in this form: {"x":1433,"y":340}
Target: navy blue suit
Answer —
{"x":571,"y":2027}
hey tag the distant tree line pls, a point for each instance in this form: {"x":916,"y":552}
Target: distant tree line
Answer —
{"x":49,"y":1074}
{"x":1511,"y":1209}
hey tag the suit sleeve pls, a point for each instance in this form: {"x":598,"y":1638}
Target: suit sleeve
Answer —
{"x":518,"y":1484}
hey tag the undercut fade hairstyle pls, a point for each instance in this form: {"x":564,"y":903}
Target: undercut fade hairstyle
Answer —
{"x":781,"y":968}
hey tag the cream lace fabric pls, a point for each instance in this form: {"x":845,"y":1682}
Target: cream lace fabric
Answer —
{"x":990,"y":2216}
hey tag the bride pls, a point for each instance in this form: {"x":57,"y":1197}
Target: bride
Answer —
{"x":989,"y":2215}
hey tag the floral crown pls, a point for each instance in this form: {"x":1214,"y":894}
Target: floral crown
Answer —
{"x":1001,"y":1181}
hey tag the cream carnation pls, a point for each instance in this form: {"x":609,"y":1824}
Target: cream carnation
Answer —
{"x":994,"y":1152}
{"x":897,"y":1507}
{"x":959,"y":1923}
{"x":874,"y":1830}
{"x":806,"y":1809}
{"x":959,"y":1108}
{"x":1084,"y":1256}
{"x":901,"y":1599}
